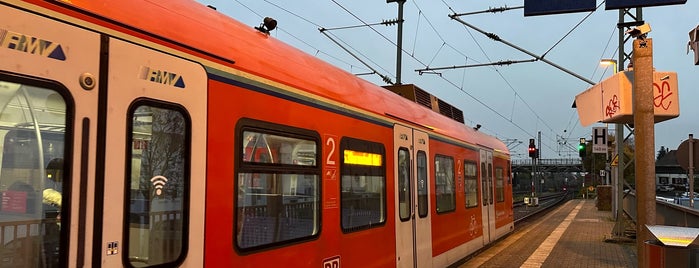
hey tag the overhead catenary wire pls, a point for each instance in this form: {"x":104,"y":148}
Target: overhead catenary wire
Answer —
{"x":417,"y":60}
{"x":572,"y":29}
{"x":383,"y":77}
{"x":492,"y":36}
{"x":497,"y":38}
{"x":516,"y":94}
{"x":434,"y":29}
{"x":297,"y":38}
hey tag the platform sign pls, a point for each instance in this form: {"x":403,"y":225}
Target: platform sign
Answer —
{"x":550,"y":7}
{"x":619,"y":4}
{"x":599,"y":140}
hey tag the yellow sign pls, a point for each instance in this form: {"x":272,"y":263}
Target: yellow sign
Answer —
{"x":615,"y":161}
{"x":362,"y":158}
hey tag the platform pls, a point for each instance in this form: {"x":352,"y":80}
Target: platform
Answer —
{"x":572,"y":235}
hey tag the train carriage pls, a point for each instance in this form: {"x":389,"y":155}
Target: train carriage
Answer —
{"x":144,"y":134}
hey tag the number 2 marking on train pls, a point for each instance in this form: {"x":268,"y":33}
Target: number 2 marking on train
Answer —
{"x":330,"y":141}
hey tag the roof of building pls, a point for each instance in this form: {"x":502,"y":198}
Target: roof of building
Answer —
{"x":669,"y":159}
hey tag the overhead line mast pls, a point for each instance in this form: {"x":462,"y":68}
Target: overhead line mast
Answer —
{"x":399,"y":52}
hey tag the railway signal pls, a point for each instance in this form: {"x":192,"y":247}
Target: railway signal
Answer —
{"x":582,"y":147}
{"x":533,"y":152}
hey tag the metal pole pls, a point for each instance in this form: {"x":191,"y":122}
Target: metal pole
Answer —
{"x":538,"y":158}
{"x":643,"y":111}
{"x":619,"y":128}
{"x":619,"y":168}
{"x":691,"y":170}
{"x":399,"y":53}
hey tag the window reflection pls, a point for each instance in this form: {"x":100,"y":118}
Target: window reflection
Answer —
{"x":159,"y":185}
{"x":32,"y":131}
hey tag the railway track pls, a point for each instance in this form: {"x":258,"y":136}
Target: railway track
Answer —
{"x":522,"y":211}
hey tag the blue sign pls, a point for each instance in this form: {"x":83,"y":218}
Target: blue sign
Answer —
{"x":619,"y":4}
{"x":549,"y":7}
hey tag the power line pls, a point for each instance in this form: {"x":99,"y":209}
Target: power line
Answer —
{"x":412,"y":55}
{"x":297,"y":38}
{"x":572,"y":29}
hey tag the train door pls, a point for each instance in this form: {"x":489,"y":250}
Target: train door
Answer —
{"x":48,"y":95}
{"x":154,"y":137}
{"x":413,"y":233}
{"x":487,"y":182}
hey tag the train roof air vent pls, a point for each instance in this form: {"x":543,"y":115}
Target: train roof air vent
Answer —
{"x":422,"y":97}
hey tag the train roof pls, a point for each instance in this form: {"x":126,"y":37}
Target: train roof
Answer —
{"x":208,"y":33}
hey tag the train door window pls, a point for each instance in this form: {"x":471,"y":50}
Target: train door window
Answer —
{"x":509,"y":172}
{"x":499,"y":185}
{"x":444,"y":184}
{"x":422,"y":184}
{"x":278,"y":185}
{"x":490,"y":184}
{"x":471,"y":184}
{"x":33,"y":129}
{"x":484,"y":181}
{"x":363,"y":184}
{"x":158,"y":184}
{"x":404,"y":184}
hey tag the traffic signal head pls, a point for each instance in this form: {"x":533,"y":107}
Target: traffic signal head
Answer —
{"x":532,"y":149}
{"x":582,"y":147}
{"x":532,"y":152}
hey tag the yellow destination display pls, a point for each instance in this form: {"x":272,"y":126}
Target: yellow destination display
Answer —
{"x":362,"y":158}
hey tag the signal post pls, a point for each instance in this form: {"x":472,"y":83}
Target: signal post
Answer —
{"x":533,"y":200}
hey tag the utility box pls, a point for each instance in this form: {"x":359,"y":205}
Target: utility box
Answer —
{"x":604,"y":197}
{"x":662,"y":256}
{"x":674,"y":247}
{"x":611,"y":101}
{"x":694,"y":44}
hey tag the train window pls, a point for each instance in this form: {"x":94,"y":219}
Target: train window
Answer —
{"x":422,"y":184}
{"x":278,"y":185}
{"x":444,"y":183}
{"x":363,"y":184}
{"x":471,"y":184}
{"x":33,"y":128}
{"x":404,"y":190}
{"x":158,"y":184}
{"x":499,"y":185}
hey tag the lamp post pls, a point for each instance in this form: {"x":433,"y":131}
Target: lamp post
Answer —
{"x":607,"y":62}
{"x":618,"y":171}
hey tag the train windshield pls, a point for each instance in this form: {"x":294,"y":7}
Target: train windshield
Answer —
{"x":32,"y":130}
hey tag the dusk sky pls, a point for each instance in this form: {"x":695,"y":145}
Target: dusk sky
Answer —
{"x":512,"y":102}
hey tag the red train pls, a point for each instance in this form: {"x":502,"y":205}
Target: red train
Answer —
{"x":163,"y":133}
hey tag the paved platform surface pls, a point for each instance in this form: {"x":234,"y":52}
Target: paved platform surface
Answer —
{"x":572,"y":235}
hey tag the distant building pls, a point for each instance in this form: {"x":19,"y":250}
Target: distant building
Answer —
{"x":668,"y":172}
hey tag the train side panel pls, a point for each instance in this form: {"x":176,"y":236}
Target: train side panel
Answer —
{"x":455,"y":226}
{"x":504,"y":214}
{"x":370,"y":247}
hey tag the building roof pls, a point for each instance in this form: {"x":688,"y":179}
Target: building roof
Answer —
{"x":668,"y":160}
